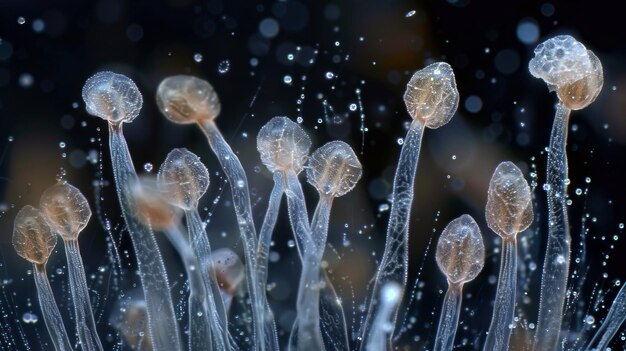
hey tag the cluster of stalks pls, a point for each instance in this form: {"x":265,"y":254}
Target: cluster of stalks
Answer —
{"x":168,"y":203}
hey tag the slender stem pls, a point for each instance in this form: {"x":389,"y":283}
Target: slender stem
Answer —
{"x":269,"y":222}
{"x":241,"y":202}
{"x":162,"y":325}
{"x":199,"y":313}
{"x":395,"y":260}
{"x":85,"y":323}
{"x":504,"y":307}
{"x":377,"y":339}
{"x":319,"y":223}
{"x":50,"y":310}
{"x":449,"y":318}
{"x":613,"y":321}
{"x":307,"y":304}
{"x":557,"y":259}
{"x":268,"y":329}
{"x":202,"y":250}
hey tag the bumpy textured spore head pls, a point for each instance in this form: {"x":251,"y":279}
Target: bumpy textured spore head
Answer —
{"x":151,"y":206}
{"x":66,"y":209}
{"x":568,"y":68}
{"x":334,"y":169}
{"x":431,"y":95}
{"x":509,"y":209}
{"x":112,"y":97}
{"x":187,"y":99}
{"x":460,"y":250}
{"x":283,"y":145}
{"x":33,"y":239}
{"x":183,"y":178}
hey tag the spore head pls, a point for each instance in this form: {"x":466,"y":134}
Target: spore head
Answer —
{"x":183,"y":178}
{"x":187,"y":99}
{"x":431,"y":95}
{"x":334,"y":169}
{"x":228,"y":269}
{"x":33,"y":238}
{"x":66,"y":209}
{"x":151,"y":207}
{"x":112,"y":97}
{"x":509,"y":209}
{"x":283,"y":145}
{"x":568,"y":68}
{"x":460,"y":250}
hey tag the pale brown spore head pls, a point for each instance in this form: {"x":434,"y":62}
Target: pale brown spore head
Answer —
{"x":187,"y":99}
{"x":66,"y":209}
{"x":183,"y":179}
{"x":283,"y":145}
{"x":568,"y":68}
{"x":509,"y":208}
{"x":113,"y":97}
{"x":228,"y":269}
{"x":33,"y":239}
{"x":460,"y":250}
{"x":334,"y":169}
{"x":152,"y":208}
{"x":431,"y":95}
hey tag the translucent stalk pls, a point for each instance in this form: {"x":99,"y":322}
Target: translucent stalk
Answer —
{"x":504,"y":307}
{"x":51,"y":313}
{"x":611,"y":325}
{"x":319,"y":223}
{"x":395,"y":260}
{"x":85,"y":323}
{"x":241,"y":202}
{"x":307,"y":305}
{"x":199,"y":313}
{"x":162,"y":325}
{"x":557,"y":259}
{"x":377,"y":340}
{"x":202,"y":249}
{"x":449,"y":318}
{"x":263,"y":249}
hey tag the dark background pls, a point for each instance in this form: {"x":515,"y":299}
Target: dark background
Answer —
{"x":49,"y":48}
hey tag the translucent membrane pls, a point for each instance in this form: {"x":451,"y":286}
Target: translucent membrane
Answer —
{"x":184,"y":179}
{"x":508,"y":212}
{"x":116,"y":99}
{"x":611,"y":325}
{"x":187,"y":99}
{"x":153,"y":210}
{"x":67,"y":211}
{"x":461,"y":256}
{"x":431,"y":99}
{"x":34,"y":240}
{"x":576,"y":74}
{"x":389,"y":298}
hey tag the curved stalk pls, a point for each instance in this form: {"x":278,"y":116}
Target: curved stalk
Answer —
{"x":613,"y":321}
{"x":449,"y":318}
{"x":50,"y":310}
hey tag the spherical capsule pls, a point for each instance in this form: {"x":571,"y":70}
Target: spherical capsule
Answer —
{"x":187,"y":99}
{"x":113,"y":97}
{"x":33,"y":238}
{"x":460,"y":250}
{"x":431,"y":95}
{"x":569,"y":68}
{"x":228,"y":269}
{"x":183,"y":178}
{"x":509,"y":209}
{"x":283,"y":145}
{"x":334,"y":169}
{"x":66,"y":209}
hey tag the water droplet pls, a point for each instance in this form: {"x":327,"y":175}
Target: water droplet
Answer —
{"x":197,"y":57}
{"x":223,"y":67}
{"x":352,"y":107}
{"x":410,"y":13}
{"x":287,"y":79}
{"x":330,"y":75}
{"x":21,"y":20}
{"x":148,"y":167}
